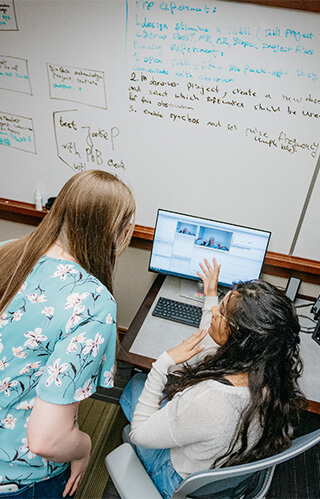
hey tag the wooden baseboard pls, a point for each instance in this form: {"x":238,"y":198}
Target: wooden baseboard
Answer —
{"x":121,"y":333}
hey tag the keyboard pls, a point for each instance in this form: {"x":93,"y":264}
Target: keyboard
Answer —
{"x":178,"y":311}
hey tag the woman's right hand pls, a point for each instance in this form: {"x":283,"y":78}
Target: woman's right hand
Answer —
{"x":53,"y":435}
{"x":209,"y":277}
{"x":78,"y":468}
{"x":188,"y":348}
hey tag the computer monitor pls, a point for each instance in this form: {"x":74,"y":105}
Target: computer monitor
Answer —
{"x":182,"y":241}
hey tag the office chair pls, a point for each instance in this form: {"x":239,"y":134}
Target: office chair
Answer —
{"x":247,"y":481}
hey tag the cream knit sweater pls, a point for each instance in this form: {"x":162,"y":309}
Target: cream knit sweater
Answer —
{"x":198,"y":424}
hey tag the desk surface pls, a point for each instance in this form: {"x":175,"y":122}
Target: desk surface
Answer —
{"x":148,"y":336}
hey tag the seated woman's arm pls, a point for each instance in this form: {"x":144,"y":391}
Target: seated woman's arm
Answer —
{"x":53,"y":435}
{"x":209,"y":277}
{"x":154,"y":432}
{"x":210,"y":301}
{"x":151,"y":424}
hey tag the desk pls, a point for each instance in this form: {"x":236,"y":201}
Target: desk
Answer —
{"x":148,"y":336}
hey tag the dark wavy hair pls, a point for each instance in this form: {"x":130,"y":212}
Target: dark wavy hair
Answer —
{"x":263,"y":341}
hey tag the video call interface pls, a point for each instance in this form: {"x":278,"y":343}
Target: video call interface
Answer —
{"x":181,"y":242}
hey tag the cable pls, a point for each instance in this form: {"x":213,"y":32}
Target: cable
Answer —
{"x":308,"y":330}
{"x":305,"y":305}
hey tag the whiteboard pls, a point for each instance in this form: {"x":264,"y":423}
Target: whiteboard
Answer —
{"x":209,"y":108}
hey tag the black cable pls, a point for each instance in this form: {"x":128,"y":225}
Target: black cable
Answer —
{"x":305,"y":305}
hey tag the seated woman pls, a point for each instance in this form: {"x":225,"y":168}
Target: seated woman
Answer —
{"x":238,"y":403}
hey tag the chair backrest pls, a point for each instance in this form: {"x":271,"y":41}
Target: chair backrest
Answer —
{"x":208,"y":478}
{"x":128,"y":474}
{"x":132,"y":481}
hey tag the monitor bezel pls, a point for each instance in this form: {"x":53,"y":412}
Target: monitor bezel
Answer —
{"x":197,"y":279}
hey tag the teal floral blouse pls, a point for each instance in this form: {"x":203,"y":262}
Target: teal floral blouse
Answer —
{"x":57,"y":341}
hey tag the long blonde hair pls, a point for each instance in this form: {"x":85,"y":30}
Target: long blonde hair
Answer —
{"x":90,"y":216}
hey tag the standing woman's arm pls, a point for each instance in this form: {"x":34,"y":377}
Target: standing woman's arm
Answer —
{"x":53,"y":435}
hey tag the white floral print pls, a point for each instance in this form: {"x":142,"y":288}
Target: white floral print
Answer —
{"x":6,"y":384}
{"x":3,"y":320}
{"x":3,"y":363}
{"x":64,"y":270}
{"x":72,"y":347}
{"x":60,"y":337}
{"x":75,"y":317}
{"x":84,"y":392}
{"x":35,"y":337}
{"x":109,"y":375}
{"x":25,"y":449}
{"x":9,"y":422}
{"x":26,"y":405}
{"x":17,"y":315}
{"x":22,"y":289}
{"x":109,"y":319}
{"x":40,"y":371}
{"x":19,"y":352}
{"x":34,"y":298}
{"x":75,"y":299}
{"x":92,"y":346}
{"x":27,"y":367}
{"x":48,"y":311}
{"x":55,"y":372}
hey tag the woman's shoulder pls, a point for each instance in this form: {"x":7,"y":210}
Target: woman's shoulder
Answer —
{"x":68,"y":280}
{"x":63,"y":269}
{"x":2,"y":243}
{"x":216,"y":392}
{"x":218,"y":385}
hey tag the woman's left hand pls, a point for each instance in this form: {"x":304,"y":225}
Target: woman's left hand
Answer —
{"x":209,"y":277}
{"x":188,"y":348}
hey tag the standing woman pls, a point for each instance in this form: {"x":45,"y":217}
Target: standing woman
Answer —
{"x":58,"y":333}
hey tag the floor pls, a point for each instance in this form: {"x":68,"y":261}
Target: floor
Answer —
{"x":103,"y":422}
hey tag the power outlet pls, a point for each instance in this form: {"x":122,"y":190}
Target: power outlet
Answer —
{"x":293,"y":288}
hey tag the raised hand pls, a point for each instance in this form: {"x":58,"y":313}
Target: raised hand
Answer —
{"x":209,"y":277}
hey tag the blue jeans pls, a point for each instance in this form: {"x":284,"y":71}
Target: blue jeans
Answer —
{"x":157,"y":462}
{"x":51,"y":488}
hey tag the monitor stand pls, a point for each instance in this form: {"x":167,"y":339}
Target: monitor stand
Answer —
{"x":192,"y":290}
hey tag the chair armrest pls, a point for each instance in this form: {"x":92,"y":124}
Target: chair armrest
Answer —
{"x":128,"y":474}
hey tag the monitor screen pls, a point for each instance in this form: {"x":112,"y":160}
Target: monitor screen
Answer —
{"x":182,"y":241}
